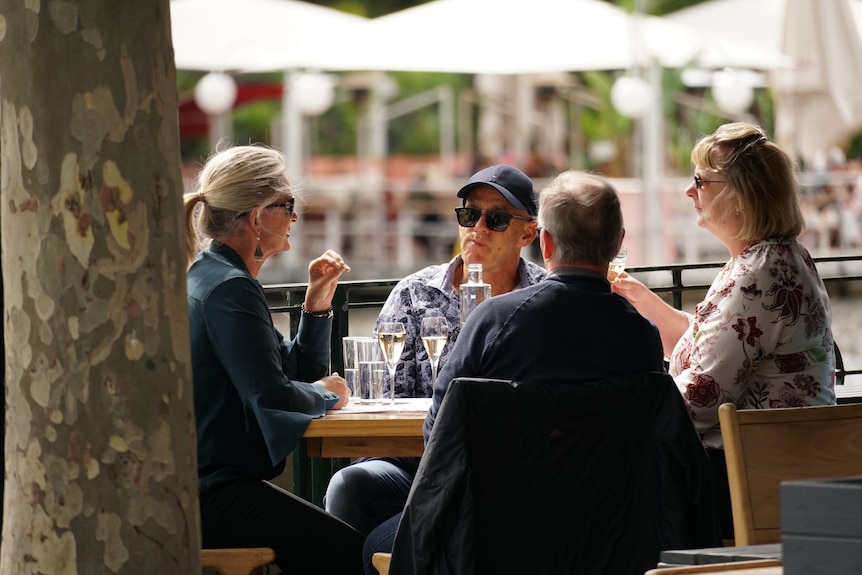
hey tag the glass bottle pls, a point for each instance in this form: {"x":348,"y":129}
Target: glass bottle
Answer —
{"x":474,"y":292}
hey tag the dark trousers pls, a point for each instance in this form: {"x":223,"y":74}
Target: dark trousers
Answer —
{"x":722,"y":491}
{"x":306,"y":539}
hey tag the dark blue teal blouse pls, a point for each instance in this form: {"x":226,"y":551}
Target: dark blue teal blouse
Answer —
{"x":252,"y":402}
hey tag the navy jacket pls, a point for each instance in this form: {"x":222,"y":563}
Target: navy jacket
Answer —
{"x":594,"y":477}
{"x":568,"y":327}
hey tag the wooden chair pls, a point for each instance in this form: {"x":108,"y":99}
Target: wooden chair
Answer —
{"x":381,"y":562}
{"x":764,"y":447}
{"x":240,"y":561}
{"x":759,"y":567}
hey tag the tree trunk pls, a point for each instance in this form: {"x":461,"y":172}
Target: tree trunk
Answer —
{"x":101,"y":472}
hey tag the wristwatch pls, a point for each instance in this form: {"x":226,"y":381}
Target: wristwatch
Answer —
{"x":327,"y":313}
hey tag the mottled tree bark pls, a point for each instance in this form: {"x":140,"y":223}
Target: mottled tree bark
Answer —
{"x":100,"y":439}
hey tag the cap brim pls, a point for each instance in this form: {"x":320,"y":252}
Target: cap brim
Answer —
{"x":462,"y":193}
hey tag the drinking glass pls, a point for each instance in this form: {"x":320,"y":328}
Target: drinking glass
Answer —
{"x":618,"y":264}
{"x":391,"y":337}
{"x":353,"y":354}
{"x":370,"y":370}
{"x":434,"y":332}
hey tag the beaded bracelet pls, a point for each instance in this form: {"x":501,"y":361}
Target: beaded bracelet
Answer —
{"x":327,"y":313}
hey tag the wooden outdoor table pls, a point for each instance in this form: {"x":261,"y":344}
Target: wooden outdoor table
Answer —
{"x":760,"y":567}
{"x":713,"y":555}
{"x":331,"y":441}
{"x":366,"y":435}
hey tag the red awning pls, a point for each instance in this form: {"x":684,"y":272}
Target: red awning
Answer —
{"x":194,"y":123}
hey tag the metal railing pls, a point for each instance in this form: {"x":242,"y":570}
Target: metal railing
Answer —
{"x":679,"y":284}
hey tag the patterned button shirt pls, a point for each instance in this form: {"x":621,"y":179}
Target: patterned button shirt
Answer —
{"x":430,"y":291}
{"x":761,"y":339}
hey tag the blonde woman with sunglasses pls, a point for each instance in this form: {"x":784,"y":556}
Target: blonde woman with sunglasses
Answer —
{"x":762,"y":338}
{"x":256,"y":391}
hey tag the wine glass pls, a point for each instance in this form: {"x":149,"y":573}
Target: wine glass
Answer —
{"x":391,"y":337}
{"x":434,"y":333}
{"x":618,"y":264}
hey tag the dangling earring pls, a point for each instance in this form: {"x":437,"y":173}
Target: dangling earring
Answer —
{"x":258,"y":253}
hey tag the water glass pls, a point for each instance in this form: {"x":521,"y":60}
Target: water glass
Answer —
{"x":361,"y":358}
{"x":371,"y":379}
{"x":351,"y":355}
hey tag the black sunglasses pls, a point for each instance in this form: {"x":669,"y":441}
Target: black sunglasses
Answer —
{"x":286,"y":206}
{"x":698,"y":183}
{"x":496,"y":221}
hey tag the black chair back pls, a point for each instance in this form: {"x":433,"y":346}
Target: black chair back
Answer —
{"x":594,"y":477}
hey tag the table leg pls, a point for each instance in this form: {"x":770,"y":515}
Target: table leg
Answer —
{"x":302,"y":471}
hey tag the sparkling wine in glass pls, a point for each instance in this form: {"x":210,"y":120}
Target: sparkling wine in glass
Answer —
{"x":618,"y":264}
{"x":391,"y":337}
{"x":434,"y":333}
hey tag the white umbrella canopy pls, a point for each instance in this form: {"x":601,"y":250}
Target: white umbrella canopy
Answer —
{"x":261,"y":35}
{"x":817,"y":97}
{"x":536,"y":36}
{"x":818,"y":102}
{"x":461,"y":36}
{"x":755,"y":23}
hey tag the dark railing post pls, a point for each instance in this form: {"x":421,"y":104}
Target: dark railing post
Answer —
{"x":340,"y":326}
{"x":676,"y":281}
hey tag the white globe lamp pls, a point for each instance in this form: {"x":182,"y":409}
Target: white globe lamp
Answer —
{"x":215,"y":93}
{"x":602,"y":151}
{"x":732,"y":91}
{"x":313,"y":93}
{"x":631,"y":96}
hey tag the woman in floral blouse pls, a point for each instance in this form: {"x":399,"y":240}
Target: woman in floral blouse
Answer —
{"x":762,"y":338}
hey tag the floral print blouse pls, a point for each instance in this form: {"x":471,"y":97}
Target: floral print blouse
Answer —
{"x":761,"y":339}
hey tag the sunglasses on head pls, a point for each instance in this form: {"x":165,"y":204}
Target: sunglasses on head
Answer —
{"x":287,"y":206}
{"x":698,"y":182}
{"x":496,"y":221}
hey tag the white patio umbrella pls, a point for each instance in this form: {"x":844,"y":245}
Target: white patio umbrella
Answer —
{"x":468,"y":36}
{"x":535,"y":36}
{"x":818,"y":102}
{"x":265,"y":35}
{"x":261,"y":35}
{"x":817,"y":99}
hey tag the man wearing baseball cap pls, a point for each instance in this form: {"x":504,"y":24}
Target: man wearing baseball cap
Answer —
{"x":497,"y":218}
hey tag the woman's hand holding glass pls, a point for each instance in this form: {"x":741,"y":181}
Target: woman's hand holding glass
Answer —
{"x":434,"y":332}
{"x":636,"y":292}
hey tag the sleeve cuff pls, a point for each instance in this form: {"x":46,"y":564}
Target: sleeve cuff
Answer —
{"x":330,"y":399}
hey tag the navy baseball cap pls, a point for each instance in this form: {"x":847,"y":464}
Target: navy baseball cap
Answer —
{"x":514,"y":184}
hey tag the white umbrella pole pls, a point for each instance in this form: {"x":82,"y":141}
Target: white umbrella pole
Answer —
{"x":292,"y":129}
{"x":653,"y":152}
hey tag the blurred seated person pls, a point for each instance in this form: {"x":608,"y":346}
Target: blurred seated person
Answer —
{"x":497,"y":220}
{"x":762,"y":338}
{"x":255,"y":391}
